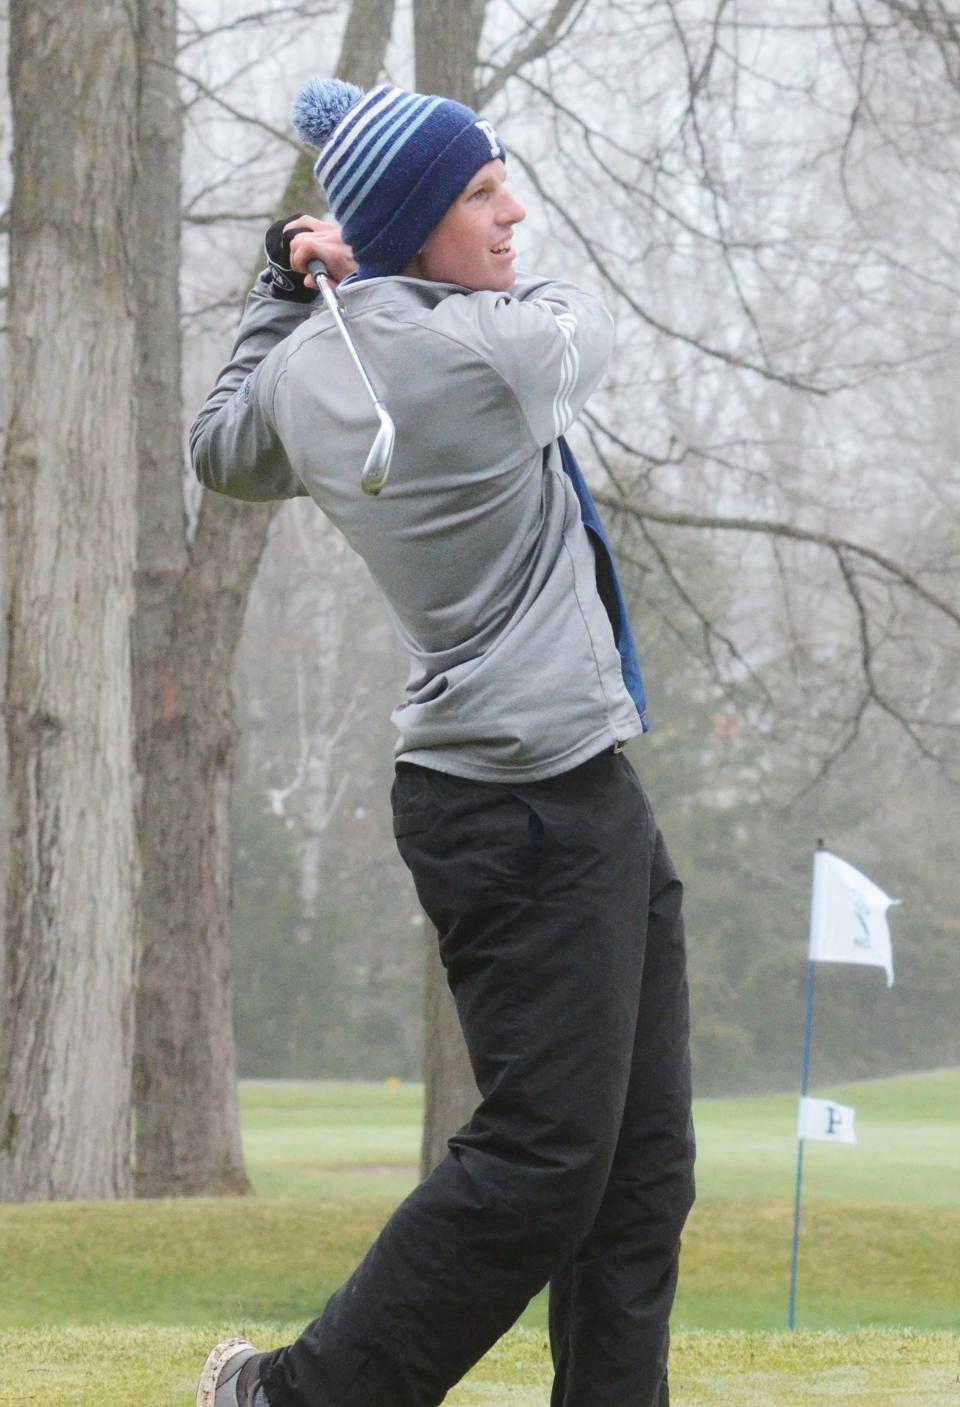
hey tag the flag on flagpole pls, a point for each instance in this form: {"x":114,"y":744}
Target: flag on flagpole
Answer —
{"x":825,"y":1120}
{"x":848,"y":916}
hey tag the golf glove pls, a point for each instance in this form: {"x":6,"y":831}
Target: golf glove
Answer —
{"x":285,"y":282}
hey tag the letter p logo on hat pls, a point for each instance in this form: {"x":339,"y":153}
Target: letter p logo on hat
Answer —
{"x":487,"y":129}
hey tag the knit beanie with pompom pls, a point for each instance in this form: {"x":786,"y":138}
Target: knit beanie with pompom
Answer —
{"x":391,"y":163}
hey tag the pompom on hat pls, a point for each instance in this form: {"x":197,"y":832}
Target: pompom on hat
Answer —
{"x":391,"y":163}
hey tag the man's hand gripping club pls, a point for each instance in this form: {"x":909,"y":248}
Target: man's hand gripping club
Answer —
{"x":290,"y":244}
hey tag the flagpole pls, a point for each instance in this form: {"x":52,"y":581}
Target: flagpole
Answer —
{"x":804,"y":1089}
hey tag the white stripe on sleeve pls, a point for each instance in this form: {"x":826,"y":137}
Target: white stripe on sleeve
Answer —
{"x":569,"y":367}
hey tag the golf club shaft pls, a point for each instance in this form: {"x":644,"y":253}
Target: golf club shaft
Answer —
{"x":377,"y":467}
{"x":317,"y":269}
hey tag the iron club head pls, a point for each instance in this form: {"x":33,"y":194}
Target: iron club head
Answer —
{"x":377,"y":467}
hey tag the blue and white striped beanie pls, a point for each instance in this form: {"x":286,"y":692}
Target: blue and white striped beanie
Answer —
{"x":391,"y":163}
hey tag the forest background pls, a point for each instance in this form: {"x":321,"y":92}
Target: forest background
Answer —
{"x":768,"y":203}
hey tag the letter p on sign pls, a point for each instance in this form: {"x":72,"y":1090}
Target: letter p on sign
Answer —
{"x":823,"y":1119}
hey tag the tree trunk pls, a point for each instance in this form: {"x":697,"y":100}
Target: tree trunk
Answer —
{"x":188,"y":1122}
{"x":446,"y":40}
{"x":188,"y":1130}
{"x":71,"y":536}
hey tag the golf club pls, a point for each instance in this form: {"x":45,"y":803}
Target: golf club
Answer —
{"x":377,"y":467}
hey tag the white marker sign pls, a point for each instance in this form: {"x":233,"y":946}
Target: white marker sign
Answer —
{"x":824,"y":1120}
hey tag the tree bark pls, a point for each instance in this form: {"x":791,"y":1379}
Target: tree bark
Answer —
{"x":71,"y":536}
{"x":446,"y":40}
{"x":193,"y":602}
{"x":185,"y":1096}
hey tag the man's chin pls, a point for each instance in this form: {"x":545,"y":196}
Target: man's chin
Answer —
{"x":503,"y":280}
{"x":499,"y":281}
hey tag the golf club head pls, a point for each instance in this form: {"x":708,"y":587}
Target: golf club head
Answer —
{"x":377,"y":467}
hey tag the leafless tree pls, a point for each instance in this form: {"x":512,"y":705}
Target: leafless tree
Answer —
{"x":71,"y":537}
{"x":194,"y":590}
{"x":769,"y":200}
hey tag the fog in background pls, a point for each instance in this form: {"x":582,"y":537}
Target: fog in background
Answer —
{"x":769,"y":206}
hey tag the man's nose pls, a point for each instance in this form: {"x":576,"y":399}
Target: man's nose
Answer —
{"x":513,"y":211}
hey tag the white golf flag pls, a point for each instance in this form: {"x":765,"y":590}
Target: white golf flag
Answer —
{"x":821,"y":1118}
{"x":848,"y":916}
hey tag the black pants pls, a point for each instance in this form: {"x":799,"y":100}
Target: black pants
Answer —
{"x":558,"y":914}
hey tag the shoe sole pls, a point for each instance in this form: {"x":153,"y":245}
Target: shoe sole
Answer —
{"x":217,"y":1360}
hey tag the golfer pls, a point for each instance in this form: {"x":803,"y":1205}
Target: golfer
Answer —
{"x":530,"y":840}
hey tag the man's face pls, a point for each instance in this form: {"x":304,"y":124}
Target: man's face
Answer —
{"x":471,"y":244}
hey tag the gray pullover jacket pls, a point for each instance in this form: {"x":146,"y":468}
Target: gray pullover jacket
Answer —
{"x":476,"y":542}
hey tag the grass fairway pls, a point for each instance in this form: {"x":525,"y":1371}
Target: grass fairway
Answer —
{"x":880,"y":1259}
{"x":194,"y":1261}
{"x":342,"y":1139}
{"x":149,"y":1367}
{"x":907,"y":1154}
{"x":881,"y":1226}
{"x":330,"y":1138}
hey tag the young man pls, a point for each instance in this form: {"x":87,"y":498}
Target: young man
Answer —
{"x":532,"y":845}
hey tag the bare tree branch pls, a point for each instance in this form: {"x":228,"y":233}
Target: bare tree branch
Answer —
{"x":591,"y":419}
{"x":769,"y":527}
{"x":849,"y":732}
{"x":229,"y":217}
{"x":851,"y":724}
{"x":228,"y":177}
{"x":282,"y":15}
{"x":944,"y":27}
{"x":697,"y":81}
{"x":730,"y":358}
{"x":593,"y":137}
{"x":710,"y":631}
{"x":247,"y":117}
{"x":231,"y":301}
{"x":546,"y":37}
{"x":842,"y":551}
